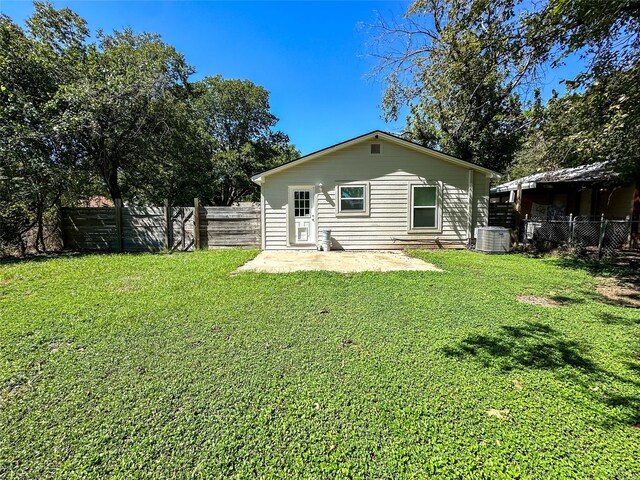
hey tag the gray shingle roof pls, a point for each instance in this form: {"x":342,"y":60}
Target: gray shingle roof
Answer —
{"x":595,"y":172}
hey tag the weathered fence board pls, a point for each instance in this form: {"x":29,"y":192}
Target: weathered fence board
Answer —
{"x":89,"y":228}
{"x":230,"y":226}
{"x":502,"y":215}
{"x":142,"y":229}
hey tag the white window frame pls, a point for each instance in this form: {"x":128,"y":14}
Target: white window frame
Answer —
{"x":352,"y":213}
{"x":438,"y":207}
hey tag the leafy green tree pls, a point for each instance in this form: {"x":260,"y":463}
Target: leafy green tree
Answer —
{"x":604,"y":97}
{"x":182,"y":170}
{"x":599,"y":118}
{"x":460,"y":66}
{"x":119,"y":116}
{"x":603,"y":31}
{"x":236,"y":118}
{"x":34,"y":164}
{"x":585,"y":127}
{"x":600,"y":123}
{"x":124,"y":111}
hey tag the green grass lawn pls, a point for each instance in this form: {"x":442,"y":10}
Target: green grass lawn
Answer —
{"x":163,"y":366}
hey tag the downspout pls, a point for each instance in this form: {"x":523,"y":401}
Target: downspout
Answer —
{"x":470,"y":208}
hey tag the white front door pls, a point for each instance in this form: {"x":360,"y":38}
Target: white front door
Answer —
{"x":302,"y":217}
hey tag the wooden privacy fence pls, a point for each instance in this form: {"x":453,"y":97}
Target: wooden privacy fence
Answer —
{"x":502,"y":215}
{"x":149,"y":229}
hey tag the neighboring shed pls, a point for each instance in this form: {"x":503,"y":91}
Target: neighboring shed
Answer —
{"x":375,"y":191}
{"x":587,"y":190}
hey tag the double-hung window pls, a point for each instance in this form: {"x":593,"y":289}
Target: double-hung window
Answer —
{"x":424,"y":207}
{"x":352,"y":199}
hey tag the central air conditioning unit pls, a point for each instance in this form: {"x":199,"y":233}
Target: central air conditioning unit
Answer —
{"x":493,"y":240}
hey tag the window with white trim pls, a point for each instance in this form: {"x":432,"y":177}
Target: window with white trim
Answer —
{"x":424,"y":206}
{"x":352,"y":199}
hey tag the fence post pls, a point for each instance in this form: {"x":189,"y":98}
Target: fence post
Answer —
{"x":603,"y":232}
{"x":196,"y":223}
{"x":167,"y":221}
{"x":628,"y":219}
{"x":119,"y":232}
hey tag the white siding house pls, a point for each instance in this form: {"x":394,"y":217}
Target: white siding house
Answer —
{"x":376,"y":191}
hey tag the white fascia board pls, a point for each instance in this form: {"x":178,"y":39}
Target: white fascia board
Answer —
{"x":512,"y":188}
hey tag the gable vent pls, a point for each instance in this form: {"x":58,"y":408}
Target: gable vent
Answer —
{"x":376,"y":148}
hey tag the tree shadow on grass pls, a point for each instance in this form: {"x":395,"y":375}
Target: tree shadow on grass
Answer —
{"x":565,"y":300}
{"x":599,"y":269}
{"x":45,"y":257}
{"x":533,"y":345}
{"x":621,"y":283}
{"x":611,"y":319}
{"x":73,"y":254}
{"x":541,"y":347}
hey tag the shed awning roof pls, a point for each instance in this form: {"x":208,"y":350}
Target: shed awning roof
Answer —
{"x":595,"y":172}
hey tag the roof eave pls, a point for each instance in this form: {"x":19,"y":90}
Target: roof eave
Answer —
{"x":509,"y":188}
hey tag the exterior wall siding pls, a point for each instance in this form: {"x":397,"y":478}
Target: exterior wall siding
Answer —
{"x":388,"y":175}
{"x":619,"y":202}
{"x":481,"y":187}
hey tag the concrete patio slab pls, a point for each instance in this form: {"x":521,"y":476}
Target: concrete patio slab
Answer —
{"x":285,"y":261}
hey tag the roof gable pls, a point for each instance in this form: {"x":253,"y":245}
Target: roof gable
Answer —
{"x":376,"y":134}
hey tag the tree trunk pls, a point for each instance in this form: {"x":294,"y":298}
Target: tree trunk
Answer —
{"x":112,"y":183}
{"x":40,"y":238}
{"x":39,"y":243}
{"x":226,"y":196}
{"x":23,"y":246}
{"x":635,"y":215}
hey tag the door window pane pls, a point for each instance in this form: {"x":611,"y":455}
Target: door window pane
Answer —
{"x":301,"y":203}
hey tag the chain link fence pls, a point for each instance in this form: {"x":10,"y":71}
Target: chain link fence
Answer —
{"x":605,"y":236}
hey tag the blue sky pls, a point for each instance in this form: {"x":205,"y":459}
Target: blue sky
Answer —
{"x":311,"y":56}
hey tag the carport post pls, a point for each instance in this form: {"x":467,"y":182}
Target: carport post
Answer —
{"x":571,"y":226}
{"x":603,"y":232}
{"x":518,"y":209}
